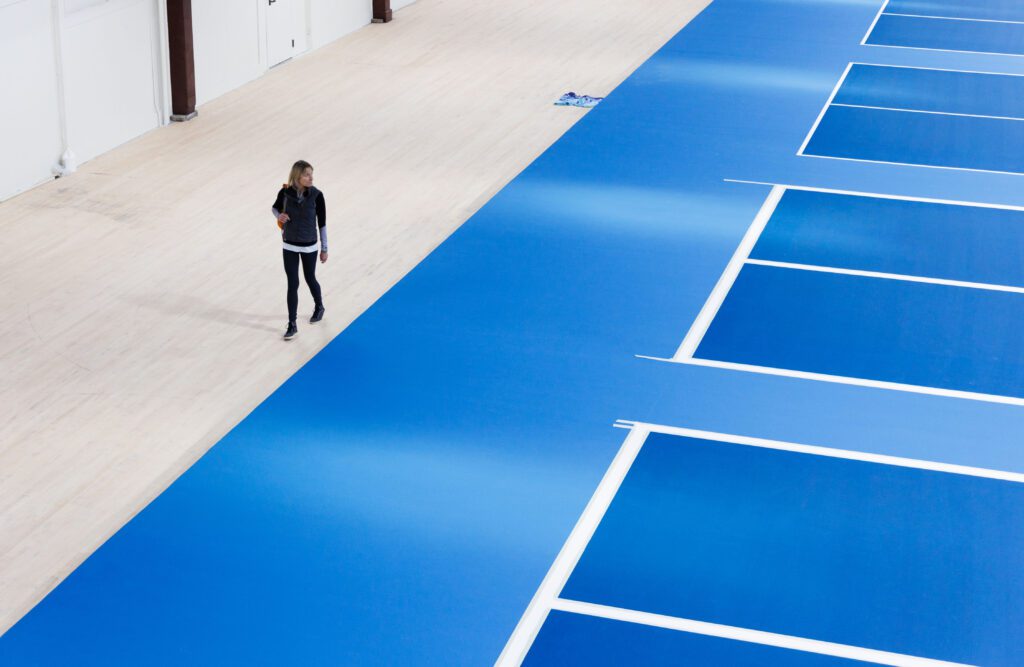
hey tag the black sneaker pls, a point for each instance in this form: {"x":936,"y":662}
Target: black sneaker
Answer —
{"x":292,"y":330}
{"x":318,"y":314}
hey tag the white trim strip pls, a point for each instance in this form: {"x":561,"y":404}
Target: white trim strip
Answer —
{"x":301,"y":248}
{"x":830,"y":452}
{"x":953,"y":18}
{"x":749,"y":636}
{"x":841,"y":379}
{"x":886,"y":276}
{"x":537,"y":612}
{"x":937,"y":113}
{"x":828,"y":103}
{"x":728,"y":277}
{"x":871,"y":28}
{"x":876,"y":195}
{"x":912,"y":164}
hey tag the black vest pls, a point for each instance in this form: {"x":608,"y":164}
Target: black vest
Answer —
{"x":301,"y":228}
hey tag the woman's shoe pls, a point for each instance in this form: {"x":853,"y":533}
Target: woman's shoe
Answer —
{"x":292,"y":330}
{"x":318,"y":314}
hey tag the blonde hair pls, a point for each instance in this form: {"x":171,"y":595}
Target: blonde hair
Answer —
{"x":296,"y":172}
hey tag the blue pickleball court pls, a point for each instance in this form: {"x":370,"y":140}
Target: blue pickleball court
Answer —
{"x":840,"y":229}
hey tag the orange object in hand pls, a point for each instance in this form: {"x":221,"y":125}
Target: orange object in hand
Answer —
{"x":284,"y":207}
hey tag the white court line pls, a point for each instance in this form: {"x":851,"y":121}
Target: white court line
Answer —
{"x":829,"y":452}
{"x":886,"y":276}
{"x":925,"y":48}
{"x":749,"y":636}
{"x":881,"y":10}
{"x":876,"y":195}
{"x":937,"y":113}
{"x":912,"y":164}
{"x":828,"y":103}
{"x":537,"y":612}
{"x":953,"y":18}
{"x":842,"y":379}
{"x":686,"y":351}
{"x":548,"y":597}
{"x":728,"y":277}
{"x":934,"y":69}
{"x":835,"y":91}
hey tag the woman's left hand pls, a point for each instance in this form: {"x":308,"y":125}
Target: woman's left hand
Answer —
{"x":323,"y":256}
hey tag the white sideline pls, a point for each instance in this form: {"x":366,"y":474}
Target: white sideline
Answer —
{"x":551,"y":587}
{"x":871,"y":28}
{"x":828,"y":103}
{"x":728,"y":277}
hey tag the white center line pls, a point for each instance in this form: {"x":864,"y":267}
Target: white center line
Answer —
{"x":842,"y":379}
{"x":952,"y":18}
{"x":886,"y":276}
{"x":937,"y":113}
{"x":831,"y":452}
{"x":749,"y":636}
{"x":879,"y":195}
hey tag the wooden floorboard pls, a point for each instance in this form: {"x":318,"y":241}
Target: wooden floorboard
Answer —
{"x":143,"y":296}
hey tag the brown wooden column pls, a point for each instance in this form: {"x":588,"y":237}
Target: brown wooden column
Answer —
{"x":381,"y":11}
{"x":183,"y":67}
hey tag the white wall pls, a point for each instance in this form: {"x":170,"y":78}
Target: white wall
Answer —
{"x":226,"y":39}
{"x":229,"y":37}
{"x":330,"y":19}
{"x":398,"y":4}
{"x":30,"y":127}
{"x":112,"y":69}
{"x":111,"y":82}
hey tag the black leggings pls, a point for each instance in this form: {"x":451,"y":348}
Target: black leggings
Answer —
{"x":291,"y":269}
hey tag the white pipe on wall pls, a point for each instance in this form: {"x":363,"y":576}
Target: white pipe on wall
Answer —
{"x":68,"y":163}
{"x":162,"y":66}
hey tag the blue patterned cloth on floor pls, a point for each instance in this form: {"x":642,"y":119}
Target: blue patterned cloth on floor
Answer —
{"x":574,"y":100}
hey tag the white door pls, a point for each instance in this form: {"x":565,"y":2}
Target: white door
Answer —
{"x":281,"y":32}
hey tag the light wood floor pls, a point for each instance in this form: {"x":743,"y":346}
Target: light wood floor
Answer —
{"x":143,"y":297}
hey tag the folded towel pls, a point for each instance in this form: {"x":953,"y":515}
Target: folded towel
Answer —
{"x":574,"y":100}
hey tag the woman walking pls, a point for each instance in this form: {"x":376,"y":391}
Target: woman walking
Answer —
{"x":302,"y":216}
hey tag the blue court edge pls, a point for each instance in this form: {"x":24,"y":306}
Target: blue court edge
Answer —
{"x":949,"y":35}
{"x":922,"y":334}
{"x":587,"y":641}
{"x":823,"y":548}
{"x":990,"y":10}
{"x":933,"y":90}
{"x":905,"y":137}
{"x":948,"y":241}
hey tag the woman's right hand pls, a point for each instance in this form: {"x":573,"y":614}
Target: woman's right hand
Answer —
{"x":283,"y":218}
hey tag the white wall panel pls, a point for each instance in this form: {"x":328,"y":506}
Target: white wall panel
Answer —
{"x":30,"y":127}
{"x":330,"y":19}
{"x":114,"y":64}
{"x":111,"y":81}
{"x":398,"y":4}
{"x":226,"y":43}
